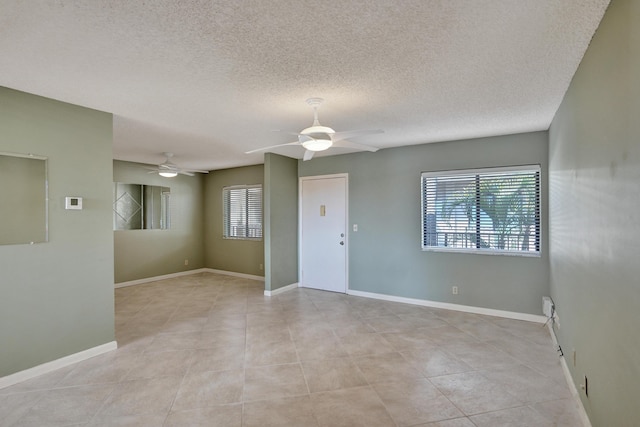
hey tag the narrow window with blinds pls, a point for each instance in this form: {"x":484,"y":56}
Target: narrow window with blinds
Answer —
{"x":494,"y":210}
{"x":242,"y":214}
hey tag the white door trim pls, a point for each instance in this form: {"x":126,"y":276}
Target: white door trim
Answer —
{"x":346,"y":207}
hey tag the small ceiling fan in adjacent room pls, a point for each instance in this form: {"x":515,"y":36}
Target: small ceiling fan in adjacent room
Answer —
{"x":320,"y":138}
{"x":168,"y":169}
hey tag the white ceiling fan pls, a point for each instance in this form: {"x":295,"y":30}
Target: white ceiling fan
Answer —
{"x":168,"y":169}
{"x":320,"y":138}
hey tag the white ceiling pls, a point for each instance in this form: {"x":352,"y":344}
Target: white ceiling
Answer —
{"x":210,"y":79}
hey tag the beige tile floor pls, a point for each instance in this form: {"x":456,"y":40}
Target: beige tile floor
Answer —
{"x":211,"y":350}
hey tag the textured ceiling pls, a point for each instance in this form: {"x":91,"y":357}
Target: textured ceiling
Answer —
{"x":210,"y":79}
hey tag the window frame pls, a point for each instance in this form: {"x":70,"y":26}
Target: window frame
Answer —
{"x":536,"y":235}
{"x":225,"y":213}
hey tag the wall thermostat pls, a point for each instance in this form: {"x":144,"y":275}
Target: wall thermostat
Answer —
{"x":71,"y":202}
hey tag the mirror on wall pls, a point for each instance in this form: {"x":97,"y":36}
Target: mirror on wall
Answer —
{"x":23,"y":199}
{"x":140,"y":207}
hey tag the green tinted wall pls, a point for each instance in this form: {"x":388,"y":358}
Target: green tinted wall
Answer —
{"x":56,"y":298}
{"x":594,"y":174}
{"x":23,"y":195}
{"x":148,"y":253}
{"x":384,"y":200}
{"x":281,"y":221}
{"x":240,"y":256}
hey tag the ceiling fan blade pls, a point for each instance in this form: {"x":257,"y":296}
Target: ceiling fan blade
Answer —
{"x":308,"y":155}
{"x":304,"y":138}
{"x":349,"y":144}
{"x":339,"y":136}
{"x":273,"y":146}
{"x":169,"y":167}
{"x":193,"y":171}
{"x":289,"y":132}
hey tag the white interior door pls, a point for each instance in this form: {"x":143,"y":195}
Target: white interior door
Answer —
{"x":323,"y":233}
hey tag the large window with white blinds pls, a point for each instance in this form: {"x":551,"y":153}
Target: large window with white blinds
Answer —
{"x":242,"y":214}
{"x":494,"y":210}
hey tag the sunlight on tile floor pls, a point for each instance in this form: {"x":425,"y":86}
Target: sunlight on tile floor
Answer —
{"x":211,"y":350}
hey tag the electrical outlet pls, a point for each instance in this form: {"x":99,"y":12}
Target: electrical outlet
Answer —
{"x":355,"y":227}
{"x":454,"y":290}
{"x":186,"y":262}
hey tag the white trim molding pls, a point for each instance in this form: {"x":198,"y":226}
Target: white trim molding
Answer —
{"x":586,"y":422}
{"x":233,"y":273}
{"x":448,"y":306}
{"x":47,"y":367}
{"x":162,"y":277}
{"x":280,"y":290}
{"x":187,"y":273}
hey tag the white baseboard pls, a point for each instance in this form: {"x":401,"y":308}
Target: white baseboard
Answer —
{"x":162,"y":277}
{"x":448,"y":306}
{"x":233,"y":273}
{"x":280,"y":290}
{"x":187,"y":273}
{"x":47,"y":367}
{"x":426,"y":303}
{"x":586,"y":422}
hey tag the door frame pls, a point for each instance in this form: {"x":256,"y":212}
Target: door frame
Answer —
{"x":346,"y":220}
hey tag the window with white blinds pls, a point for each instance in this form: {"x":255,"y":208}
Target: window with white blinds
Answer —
{"x":494,"y":210}
{"x":242,"y":205}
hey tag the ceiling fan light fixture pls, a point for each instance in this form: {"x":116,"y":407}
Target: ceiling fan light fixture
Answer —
{"x":320,"y":138}
{"x":318,"y":129}
{"x":168,"y":174}
{"x":317,"y":144}
{"x":316,"y":138}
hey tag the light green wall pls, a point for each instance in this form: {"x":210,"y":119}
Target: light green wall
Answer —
{"x":240,"y":256}
{"x":140,"y":254}
{"x":281,"y":221}
{"x":23,"y":195}
{"x":56,"y":298}
{"x":384,"y":200}
{"x":595,"y":219}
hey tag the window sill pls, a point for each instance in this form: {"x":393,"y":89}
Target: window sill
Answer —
{"x":251,"y":239}
{"x":484,"y":252}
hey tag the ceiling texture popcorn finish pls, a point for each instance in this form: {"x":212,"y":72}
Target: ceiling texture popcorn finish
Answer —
{"x":210,"y":79}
